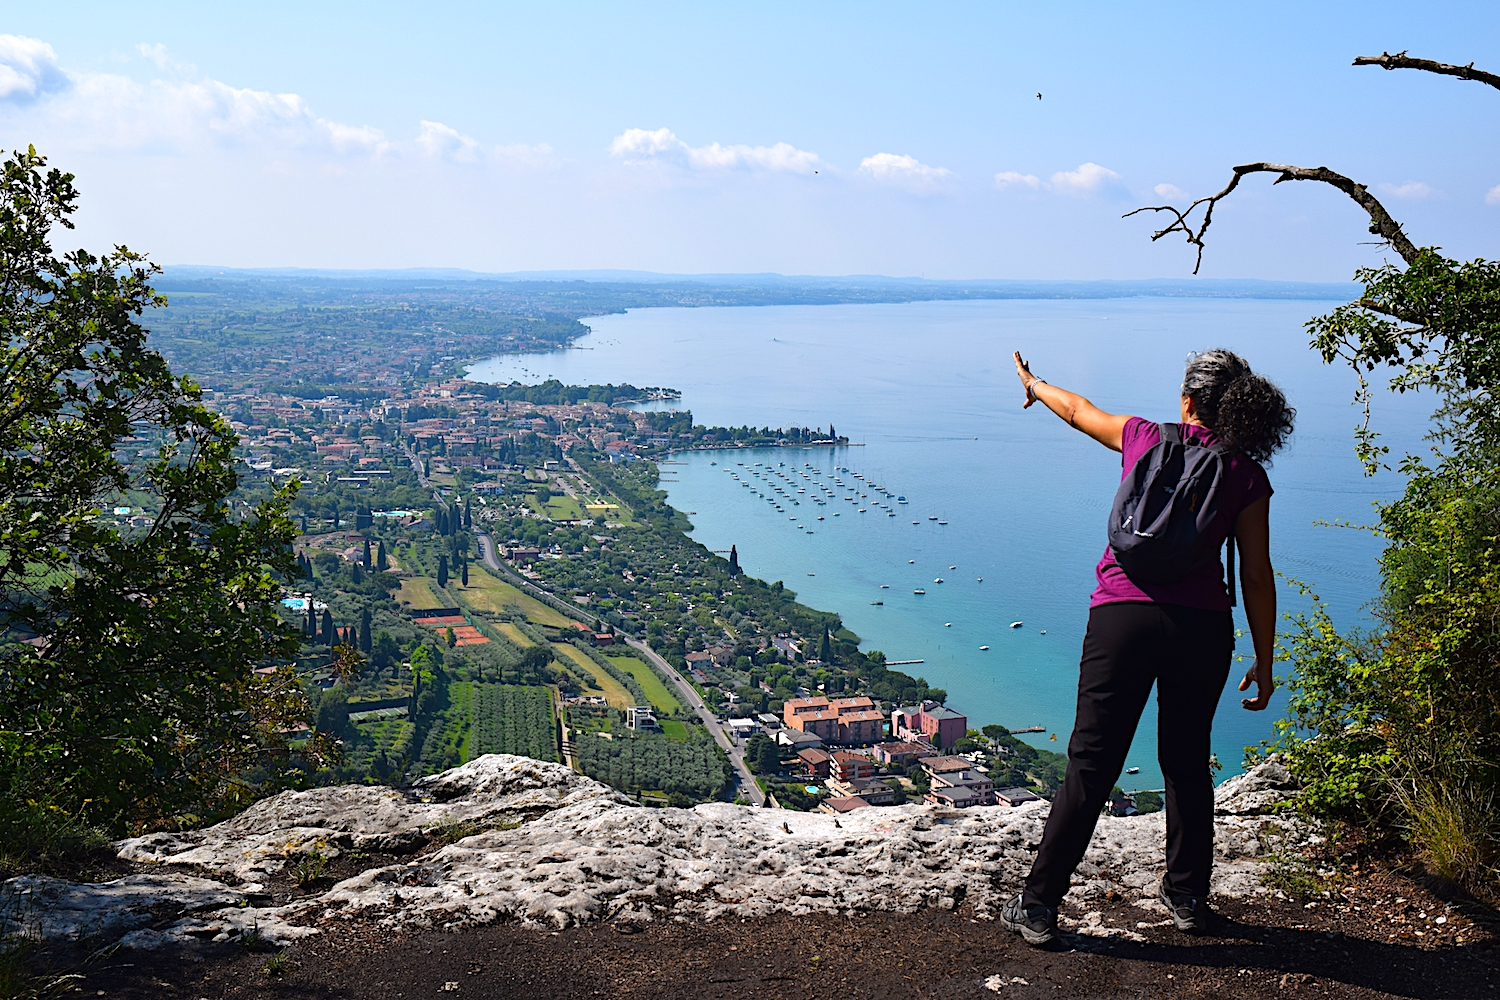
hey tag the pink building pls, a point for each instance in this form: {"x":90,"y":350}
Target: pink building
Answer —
{"x":937,"y":724}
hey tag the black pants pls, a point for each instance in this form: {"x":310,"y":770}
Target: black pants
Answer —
{"x":1186,"y":652}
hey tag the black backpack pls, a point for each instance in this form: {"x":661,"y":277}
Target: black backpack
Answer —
{"x":1161,"y":513}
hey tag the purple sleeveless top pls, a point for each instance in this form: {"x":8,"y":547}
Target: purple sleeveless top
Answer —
{"x":1244,"y":483}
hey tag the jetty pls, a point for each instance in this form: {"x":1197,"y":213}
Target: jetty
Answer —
{"x":902,"y":663}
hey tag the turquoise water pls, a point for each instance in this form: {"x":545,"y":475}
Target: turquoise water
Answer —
{"x":929,"y":390}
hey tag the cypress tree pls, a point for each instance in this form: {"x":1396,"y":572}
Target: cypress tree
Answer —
{"x":825,"y":648}
{"x":831,"y":432}
{"x":381,"y":563}
{"x":463,"y":569}
{"x":365,"y":642}
{"x":367,"y":554}
{"x":311,"y":627}
{"x":442,"y":574}
{"x":335,"y":518}
{"x":734,"y":561}
{"x":329,"y":639}
{"x":356,"y":574}
{"x":468,"y":513}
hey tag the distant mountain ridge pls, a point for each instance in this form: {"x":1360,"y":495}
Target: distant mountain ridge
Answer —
{"x":762,"y":288}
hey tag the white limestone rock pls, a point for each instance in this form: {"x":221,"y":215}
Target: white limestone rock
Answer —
{"x":258,"y":842}
{"x":586,"y":853}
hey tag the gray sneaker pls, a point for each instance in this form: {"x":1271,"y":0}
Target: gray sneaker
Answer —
{"x":1037,"y":925}
{"x":1190,"y":915}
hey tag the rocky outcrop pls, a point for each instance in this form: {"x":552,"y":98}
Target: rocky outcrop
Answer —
{"x":551,"y":848}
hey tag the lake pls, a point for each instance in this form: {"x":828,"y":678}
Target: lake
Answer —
{"x":929,"y":391}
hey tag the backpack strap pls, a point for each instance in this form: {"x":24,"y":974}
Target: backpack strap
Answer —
{"x":1170,"y":433}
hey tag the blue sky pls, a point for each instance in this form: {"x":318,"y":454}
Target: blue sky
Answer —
{"x":896,"y":139}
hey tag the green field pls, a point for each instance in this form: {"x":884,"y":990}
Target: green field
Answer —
{"x":674,"y":730}
{"x":418,"y":594}
{"x":615,"y":693}
{"x":657,"y":692}
{"x":489,"y":593}
{"x":513,"y":632}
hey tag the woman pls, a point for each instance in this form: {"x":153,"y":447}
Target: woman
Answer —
{"x":1178,"y":635}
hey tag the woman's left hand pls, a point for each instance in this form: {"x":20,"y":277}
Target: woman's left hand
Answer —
{"x":1023,"y":372}
{"x":1264,"y":685}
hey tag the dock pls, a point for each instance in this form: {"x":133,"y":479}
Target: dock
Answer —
{"x":902,"y":663}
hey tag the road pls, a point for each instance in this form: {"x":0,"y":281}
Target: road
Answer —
{"x":688,"y":694}
{"x":710,"y":720}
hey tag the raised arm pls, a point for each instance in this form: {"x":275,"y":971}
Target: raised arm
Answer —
{"x":1106,"y":428}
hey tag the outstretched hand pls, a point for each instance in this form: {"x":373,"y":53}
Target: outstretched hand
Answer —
{"x":1264,"y":685}
{"x":1023,"y":372}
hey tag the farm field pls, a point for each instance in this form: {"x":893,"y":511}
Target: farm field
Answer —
{"x":488,"y":593}
{"x":513,"y":632}
{"x":418,"y":593}
{"x":695,"y":768}
{"x":614,"y":692}
{"x":674,"y":730}
{"x":511,"y":718}
{"x":656,"y":689}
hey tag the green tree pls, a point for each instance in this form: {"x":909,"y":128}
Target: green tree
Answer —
{"x":381,"y":562}
{"x":135,"y":702}
{"x":326,"y":635}
{"x":365,"y":562}
{"x":463,"y":569}
{"x":365,"y":642}
{"x":442,"y":571}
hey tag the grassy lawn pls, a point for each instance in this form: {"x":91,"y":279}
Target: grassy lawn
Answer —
{"x":614,"y":692}
{"x":418,"y":593}
{"x":487,"y":593}
{"x":564,"y":508}
{"x":656,"y":690}
{"x":513,"y":632}
{"x":674,"y":730}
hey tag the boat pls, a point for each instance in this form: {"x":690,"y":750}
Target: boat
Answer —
{"x":861,"y":510}
{"x":947,"y":624}
{"x":980,"y":580}
{"x":885,"y":586}
{"x":932,"y":517}
{"x":938,"y":580}
{"x":1015,"y":624}
{"x":942,"y":522}
{"x":910,"y":562}
{"x":1042,"y":632}
{"x":953,"y":567}
{"x":812,"y":574}
{"x":919,"y":591}
{"x":916,"y":522}
{"x":1132,"y":770}
{"x":878,"y":603}
{"x":983,"y":648}
{"x":820,"y":517}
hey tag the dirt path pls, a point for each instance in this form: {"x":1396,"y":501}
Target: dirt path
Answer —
{"x":1269,"y":950}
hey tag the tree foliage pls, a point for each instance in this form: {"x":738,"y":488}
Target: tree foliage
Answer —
{"x":127,"y":697}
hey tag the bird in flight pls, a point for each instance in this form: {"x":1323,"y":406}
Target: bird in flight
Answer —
{"x":1039,"y":95}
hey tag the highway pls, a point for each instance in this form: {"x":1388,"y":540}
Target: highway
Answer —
{"x":744,"y":779}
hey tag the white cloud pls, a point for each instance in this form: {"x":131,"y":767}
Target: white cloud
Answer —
{"x":28,"y":69}
{"x":1410,"y":191}
{"x":1010,"y":178}
{"x":904,"y":171}
{"x":638,"y":145}
{"x":1170,"y":191}
{"x":442,"y":141}
{"x":1492,"y":197}
{"x":1087,"y":179}
{"x":182,"y":111}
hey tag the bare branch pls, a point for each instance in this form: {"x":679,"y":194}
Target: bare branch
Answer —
{"x":1402,"y":61}
{"x":1381,"y":222}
